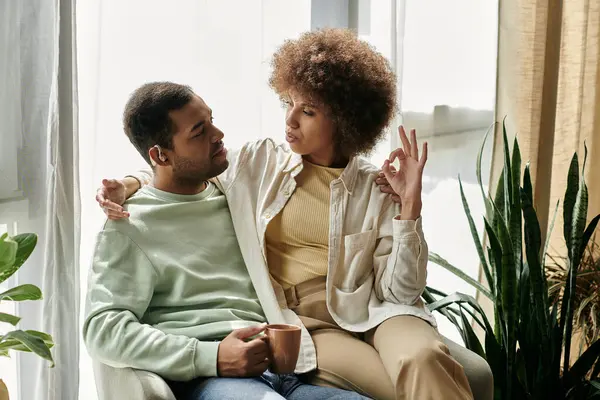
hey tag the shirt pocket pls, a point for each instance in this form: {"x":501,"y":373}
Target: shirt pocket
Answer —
{"x":352,"y":306}
{"x":357,"y":256}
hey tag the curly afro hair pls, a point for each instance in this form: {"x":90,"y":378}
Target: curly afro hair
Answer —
{"x":347,"y":76}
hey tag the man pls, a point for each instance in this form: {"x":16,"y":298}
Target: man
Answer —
{"x":169,"y":291}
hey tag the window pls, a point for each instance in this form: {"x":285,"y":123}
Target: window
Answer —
{"x":10,"y":81}
{"x":444,"y":53}
{"x":448,"y":94}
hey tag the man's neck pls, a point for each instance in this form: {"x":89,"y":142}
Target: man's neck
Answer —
{"x":171,"y":186}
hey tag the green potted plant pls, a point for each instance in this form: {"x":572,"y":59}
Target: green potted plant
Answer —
{"x":14,"y":251}
{"x":529,"y":345}
{"x":587,"y":291}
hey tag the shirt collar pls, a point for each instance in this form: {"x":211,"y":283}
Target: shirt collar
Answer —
{"x":348,"y":177}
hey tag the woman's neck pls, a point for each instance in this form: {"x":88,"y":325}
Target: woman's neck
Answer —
{"x":330,"y":162}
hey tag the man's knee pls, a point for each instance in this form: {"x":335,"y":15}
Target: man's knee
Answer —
{"x":234,"y":389}
{"x":347,"y":395}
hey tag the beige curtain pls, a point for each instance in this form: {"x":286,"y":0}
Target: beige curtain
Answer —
{"x":549,"y":90}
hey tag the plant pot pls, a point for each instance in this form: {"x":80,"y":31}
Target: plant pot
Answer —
{"x":3,"y":391}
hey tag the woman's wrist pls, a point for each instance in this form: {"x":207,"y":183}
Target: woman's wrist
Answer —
{"x":132,"y":185}
{"x":410,"y":211}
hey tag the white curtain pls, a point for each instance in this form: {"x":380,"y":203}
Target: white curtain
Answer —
{"x":40,"y":187}
{"x":61,"y":262}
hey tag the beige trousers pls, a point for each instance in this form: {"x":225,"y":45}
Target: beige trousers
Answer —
{"x":403,"y":358}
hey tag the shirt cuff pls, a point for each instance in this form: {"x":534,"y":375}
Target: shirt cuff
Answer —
{"x":205,"y":358}
{"x":404,"y":229}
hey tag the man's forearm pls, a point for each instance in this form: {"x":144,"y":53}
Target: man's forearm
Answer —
{"x":116,"y":338}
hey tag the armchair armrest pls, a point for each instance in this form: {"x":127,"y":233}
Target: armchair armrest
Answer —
{"x":128,"y":383}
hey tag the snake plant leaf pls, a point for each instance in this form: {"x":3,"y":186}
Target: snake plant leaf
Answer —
{"x":429,"y":298}
{"x":462,"y":298}
{"x":569,"y":201}
{"x":477,"y":241}
{"x":498,"y":203}
{"x":579,"y":217}
{"x":495,"y":257}
{"x":536,"y":271}
{"x":496,"y":357}
{"x":596,"y":370}
{"x":486,"y":199}
{"x":509,"y":296}
{"x":584,"y":363}
{"x":515,"y":224}
{"x":436,"y":258}
{"x":472,"y":341}
{"x":508,"y":194}
{"x":549,"y":233}
{"x":589,"y":231}
{"x":521,"y":369}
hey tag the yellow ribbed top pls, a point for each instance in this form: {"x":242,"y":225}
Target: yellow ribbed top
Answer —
{"x":298,"y":237}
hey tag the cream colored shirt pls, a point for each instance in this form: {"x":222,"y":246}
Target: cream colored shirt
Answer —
{"x":377,"y":265}
{"x":297,"y":238}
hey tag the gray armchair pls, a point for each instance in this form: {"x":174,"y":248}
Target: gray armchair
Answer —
{"x":129,"y":384}
{"x":132,"y":384}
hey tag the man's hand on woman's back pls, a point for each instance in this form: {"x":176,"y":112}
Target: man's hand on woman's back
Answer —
{"x":112,"y":195}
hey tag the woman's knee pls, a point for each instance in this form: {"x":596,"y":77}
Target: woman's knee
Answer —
{"x":425,"y":355}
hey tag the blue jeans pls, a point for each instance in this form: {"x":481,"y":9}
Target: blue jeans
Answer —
{"x":268,"y":386}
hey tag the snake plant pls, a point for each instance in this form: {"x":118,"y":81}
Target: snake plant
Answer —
{"x":528,"y":343}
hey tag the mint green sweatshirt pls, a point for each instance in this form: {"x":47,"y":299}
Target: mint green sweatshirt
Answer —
{"x":167,"y":284}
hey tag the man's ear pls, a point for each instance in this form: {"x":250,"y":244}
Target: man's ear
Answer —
{"x":158,"y":157}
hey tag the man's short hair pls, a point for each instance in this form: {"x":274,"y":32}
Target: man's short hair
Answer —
{"x":146,"y":117}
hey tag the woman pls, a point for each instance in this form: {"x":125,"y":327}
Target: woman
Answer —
{"x":353,"y":272}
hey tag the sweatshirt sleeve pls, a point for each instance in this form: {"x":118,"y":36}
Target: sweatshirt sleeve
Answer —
{"x":120,"y":286}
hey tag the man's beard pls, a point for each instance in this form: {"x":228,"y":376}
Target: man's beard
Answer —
{"x":190,"y":173}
